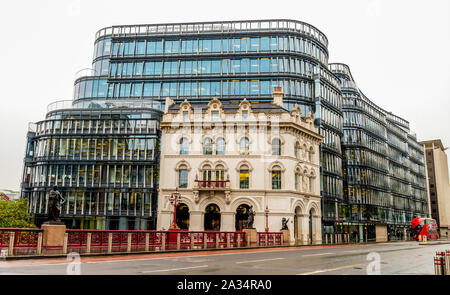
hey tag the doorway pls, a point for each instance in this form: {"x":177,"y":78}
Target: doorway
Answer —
{"x":212,"y":217}
{"x":183,"y":216}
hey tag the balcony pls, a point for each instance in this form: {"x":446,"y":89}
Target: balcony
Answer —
{"x":212,"y":185}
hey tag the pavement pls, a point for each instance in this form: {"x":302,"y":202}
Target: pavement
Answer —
{"x":406,"y":258}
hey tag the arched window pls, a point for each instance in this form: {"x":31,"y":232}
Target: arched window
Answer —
{"x":184,"y":146}
{"x":244,"y":146}
{"x":220,"y":173}
{"x":244,"y":177}
{"x":276,"y":147}
{"x":276,"y":177}
{"x":220,"y":146}
{"x":183,"y":176}
{"x":207,"y":146}
{"x":297,"y":181}
{"x":207,"y":173}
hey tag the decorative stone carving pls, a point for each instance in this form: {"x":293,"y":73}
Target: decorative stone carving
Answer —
{"x":228,"y":197}
{"x":196,"y":197}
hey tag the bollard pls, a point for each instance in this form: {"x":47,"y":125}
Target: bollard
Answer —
{"x":39,"y":244}
{"x":217,"y":240}
{"x":439,"y":263}
{"x":88,"y":243}
{"x":447,"y":263}
{"x":65,"y":242}
{"x":205,"y":241}
{"x":192,"y":241}
{"x":109,"y":243}
{"x":12,"y":237}
{"x":147,"y":242}
{"x":129,"y":243}
{"x":163,"y":242}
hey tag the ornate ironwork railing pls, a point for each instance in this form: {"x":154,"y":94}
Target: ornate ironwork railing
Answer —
{"x":270,"y":239}
{"x":25,"y":240}
{"x":19,"y":241}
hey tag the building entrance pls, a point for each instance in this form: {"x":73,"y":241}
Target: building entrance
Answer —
{"x":183,"y":216}
{"x":212,"y":217}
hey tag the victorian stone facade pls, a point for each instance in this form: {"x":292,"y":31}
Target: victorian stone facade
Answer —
{"x":227,"y":158}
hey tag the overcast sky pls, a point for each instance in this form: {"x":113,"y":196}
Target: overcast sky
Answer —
{"x":398,"y":52}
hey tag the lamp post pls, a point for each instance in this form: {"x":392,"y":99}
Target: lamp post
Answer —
{"x":267,"y":218}
{"x":175,"y":199}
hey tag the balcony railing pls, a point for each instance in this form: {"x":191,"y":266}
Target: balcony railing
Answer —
{"x":218,"y":27}
{"x":212,"y":184}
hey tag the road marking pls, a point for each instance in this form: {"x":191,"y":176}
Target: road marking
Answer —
{"x":318,"y":254}
{"x":250,"y":261}
{"x":174,"y":269}
{"x":329,"y":269}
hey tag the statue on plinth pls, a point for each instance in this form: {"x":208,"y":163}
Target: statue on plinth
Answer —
{"x":251,"y":217}
{"x":55,"y":200}
{"x":284,"y":223}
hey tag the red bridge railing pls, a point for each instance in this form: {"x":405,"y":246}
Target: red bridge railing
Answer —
{"x":24,"y":241}
{"x":21,"y":242}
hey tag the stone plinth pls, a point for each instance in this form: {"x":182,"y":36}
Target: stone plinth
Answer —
{"x":285,"y":233}
{"x":53,"y":235}
{"x":251,"y":235}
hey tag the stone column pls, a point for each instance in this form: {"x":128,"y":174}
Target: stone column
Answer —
{"x":305,"y":229}
{"x":227,"y":222}
{"x":317,"y":230}
{"x":196,"y":222}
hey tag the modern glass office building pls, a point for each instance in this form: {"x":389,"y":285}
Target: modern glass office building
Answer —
{"x":384,"y":172}
{"x":230,"y":60}
{"x":104,"y":160}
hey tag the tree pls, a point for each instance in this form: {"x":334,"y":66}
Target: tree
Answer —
{"x":14,"y":214}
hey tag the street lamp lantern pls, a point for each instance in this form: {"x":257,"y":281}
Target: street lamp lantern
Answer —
{"x":175,"y":200}
{"x":267,"y":218}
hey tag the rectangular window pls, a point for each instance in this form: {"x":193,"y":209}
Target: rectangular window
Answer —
{"x":215,"y":67}
{"x":254,"y":67}
{"x":244,"y":115}
{"x":216,"y":45}
{"x":276,"y":179}
{"x":137,"y":70}
{"x":254,"y":44}
{"x":265,"y":65}
{"x":140,"y":47}
{"x":265,"y":44}
{"x":244,"y":177}
{"x":183,"y":178}
{"x":215,"y":116}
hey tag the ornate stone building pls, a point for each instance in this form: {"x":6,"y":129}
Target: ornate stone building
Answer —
{"x":228,"y":158}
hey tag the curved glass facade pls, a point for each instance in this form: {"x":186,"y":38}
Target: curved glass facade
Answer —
{"x":384,"y":176}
